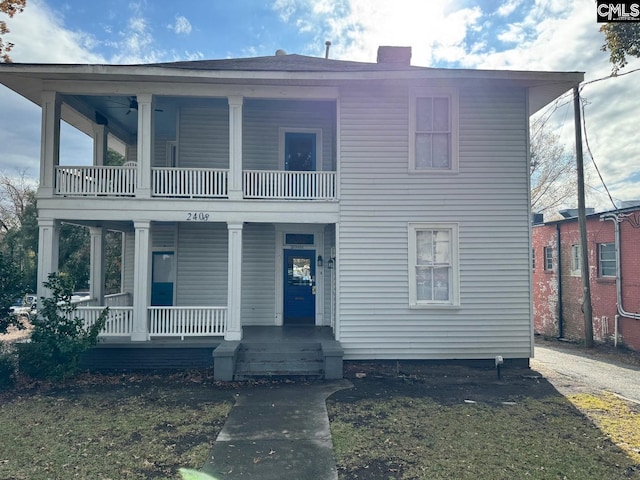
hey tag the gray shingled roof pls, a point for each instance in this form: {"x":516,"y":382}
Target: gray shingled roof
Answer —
{"x":284,"y":63}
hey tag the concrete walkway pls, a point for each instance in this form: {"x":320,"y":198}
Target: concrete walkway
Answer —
{"x":277,"y":432}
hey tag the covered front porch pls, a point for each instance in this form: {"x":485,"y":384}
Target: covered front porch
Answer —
{"x":208,"y":280}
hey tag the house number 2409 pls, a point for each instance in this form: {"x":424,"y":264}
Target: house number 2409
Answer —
{"x":197,"y":217}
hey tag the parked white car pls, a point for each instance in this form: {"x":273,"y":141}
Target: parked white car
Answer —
{"x":25,"y":307}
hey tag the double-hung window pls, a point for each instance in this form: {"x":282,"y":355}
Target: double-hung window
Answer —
{"x":433,"y":125}
{"x":548,"y":258}
{"x":433,"y":265}
{"x":576,"y":261}
{"x":607,"y":259}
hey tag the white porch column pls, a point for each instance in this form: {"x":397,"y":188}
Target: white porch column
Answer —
{"x":96,"y":272}
{"x":141,"y":281}
{"x":235,"y":147}
{"x":234,"y":282}
{"x":48,"y":250}
{"x":100,"y":136}
{"x":127,"y":266}
{"x":50,"y":143}
{"x":145,"y":145}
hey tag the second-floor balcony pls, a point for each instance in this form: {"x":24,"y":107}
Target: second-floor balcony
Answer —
{"x":109,"y":181}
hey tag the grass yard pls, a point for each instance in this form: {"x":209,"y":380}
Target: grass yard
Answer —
{"x":398,"y":422}
{"x":111,"y":427}
{"x":455,"y":423}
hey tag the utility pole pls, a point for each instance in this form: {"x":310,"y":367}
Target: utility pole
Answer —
{"x":582,"y":219}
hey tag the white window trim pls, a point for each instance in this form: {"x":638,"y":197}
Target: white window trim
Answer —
{"x":282,"y":131}
{"x":452,"y":93}
{"x":600,"y":274}
{"x":454,"y":301}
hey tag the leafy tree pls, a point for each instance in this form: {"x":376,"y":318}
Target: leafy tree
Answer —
{"x":11,"y":288}
{"x":10,"y":8}
{"x":19,"y":224}
{"x":114,"y":159}
{"x":59,"y":337}
{"x":553,"y":171}
{"x":622,"y":39}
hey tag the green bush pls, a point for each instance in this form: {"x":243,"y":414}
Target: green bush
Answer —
{"x":7,"y":370}
{"x":59,"y":337}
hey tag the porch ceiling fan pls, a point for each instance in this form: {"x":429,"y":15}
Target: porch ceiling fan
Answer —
{"x":131,"y":104}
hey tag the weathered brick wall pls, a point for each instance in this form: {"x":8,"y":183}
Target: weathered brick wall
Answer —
{"x":603,"y":289}
{"x":545,"y":283}
{"x":629,"y":329}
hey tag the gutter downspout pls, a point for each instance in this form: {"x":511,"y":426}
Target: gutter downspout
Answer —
{"x":560,"y":309}
{"x":621,"y":311}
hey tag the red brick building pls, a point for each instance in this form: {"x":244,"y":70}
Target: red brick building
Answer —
{"x":615,"y":292}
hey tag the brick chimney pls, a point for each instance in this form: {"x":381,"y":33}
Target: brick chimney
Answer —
{"x":395,"y":55}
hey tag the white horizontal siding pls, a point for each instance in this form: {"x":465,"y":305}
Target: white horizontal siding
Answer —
{"x":488,"y":199}
{"x":204,"y":135}
{"x":258,"y":272}
{"x":262,"y":120}
{"x":202,"y":264}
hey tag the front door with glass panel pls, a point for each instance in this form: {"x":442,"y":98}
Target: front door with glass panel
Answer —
{"x":299,"y":303}
{"x":163,"y":275}
{"x":300,"y":152}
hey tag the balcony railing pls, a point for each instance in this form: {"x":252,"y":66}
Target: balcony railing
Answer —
{"x":96,"y":181}
{"x":289,"y":185}
{"x":189,"y":182}
{"x":195,"y":183}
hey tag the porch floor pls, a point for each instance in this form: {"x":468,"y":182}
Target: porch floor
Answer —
{"x":286,"y":334}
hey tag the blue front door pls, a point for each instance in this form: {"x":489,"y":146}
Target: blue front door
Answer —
{"x":299,"y":303}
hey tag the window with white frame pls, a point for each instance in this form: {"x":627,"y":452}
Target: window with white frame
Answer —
{"x":576,"y":263}
{"x":607,"y":259}
{"x":433,"y":265}
{"x":433,"y":123}
{"x":548,"y":258}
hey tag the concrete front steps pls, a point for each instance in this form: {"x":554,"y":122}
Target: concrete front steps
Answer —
{"x":278,"y":356}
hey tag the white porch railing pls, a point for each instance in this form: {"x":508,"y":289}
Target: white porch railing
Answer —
{"x":119,"y":320}
{"x":190,"y":182}
{"x":118,"y":300}
{"x":187,"y":321}
{"x":96,"y":181}
{"x":289,"y":185}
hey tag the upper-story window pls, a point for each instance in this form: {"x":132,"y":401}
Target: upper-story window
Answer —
{"x":433,"y":126}
{"x":548,"y":258}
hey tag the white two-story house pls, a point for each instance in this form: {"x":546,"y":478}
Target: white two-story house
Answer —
{"x":384,"y":204}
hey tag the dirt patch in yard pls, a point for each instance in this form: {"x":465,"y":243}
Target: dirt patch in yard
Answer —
{"x":415,"y":421}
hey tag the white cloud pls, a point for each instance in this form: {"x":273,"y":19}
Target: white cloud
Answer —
{"x":508,"y":7}
{"x":182,"y":26}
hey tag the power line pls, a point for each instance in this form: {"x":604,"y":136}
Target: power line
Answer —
{"x":586,"y":142}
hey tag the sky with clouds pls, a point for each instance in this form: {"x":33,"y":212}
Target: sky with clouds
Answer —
{"x":486,"y":34}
